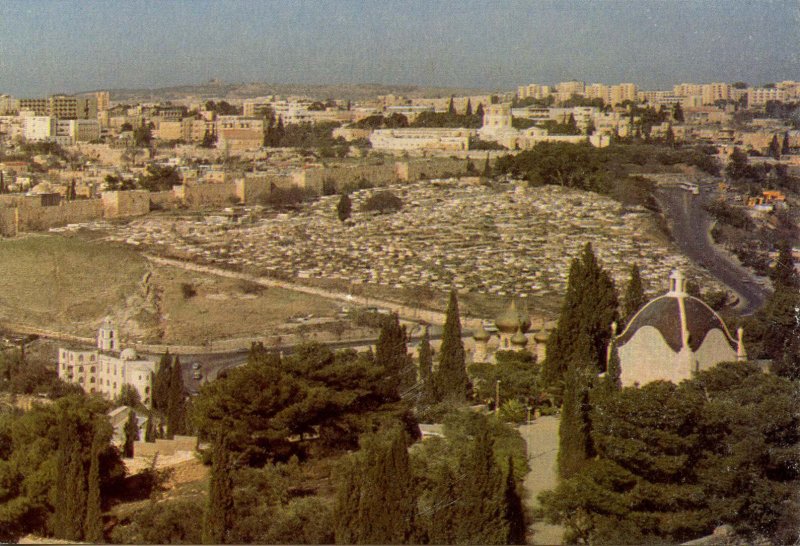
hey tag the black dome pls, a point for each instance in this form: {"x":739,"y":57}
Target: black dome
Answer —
{"x":663,"y":314}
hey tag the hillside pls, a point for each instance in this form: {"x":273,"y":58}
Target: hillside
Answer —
{"x":217,"y":89}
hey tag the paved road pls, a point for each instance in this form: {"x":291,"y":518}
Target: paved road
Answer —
{"x":209,"y":365}
{"x":690,"y":226}
{"x":541,"y":437}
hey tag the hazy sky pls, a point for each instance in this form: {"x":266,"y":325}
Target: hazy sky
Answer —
{"x":48,"y":47}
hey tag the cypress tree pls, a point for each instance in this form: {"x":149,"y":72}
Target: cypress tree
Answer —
{"x":391,"y":352}
{"x":93,"y":528}
{"x":514,"y":511}
{"x":589,"y":308}
{"x":131,"y":434}
{"x":444,"y":503}
{"x":161,"y":383}
{"x":345,"y":508}
{"x":785,"y":148}
{"x":479,"y":110}
{"x":176,"y":408}
{"x":487,"y":168}
{"x":481,"y":506}
{"x":67,"y":476}
{"x":377,"y":497}
{"x":150,"y":429}
{"x":451,"y":108}
{"x":344,"y":208}
{"x":468,"y":111}
{"x":634,"y":295}
{"x":219,"y":511}
{"x":775,"y":148}
{"x":451,"y":377}
{"x":428,"y":389}
{"x":574,"y":446}
{"x":784,"y":273}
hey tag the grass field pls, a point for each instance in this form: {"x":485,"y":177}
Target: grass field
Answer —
{"x":223,"y":308}
{"x":65,"y":283}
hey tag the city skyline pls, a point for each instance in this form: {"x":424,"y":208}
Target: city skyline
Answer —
{"x":70,"y":47}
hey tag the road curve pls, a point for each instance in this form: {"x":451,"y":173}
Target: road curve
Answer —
{"x":690,"y":226}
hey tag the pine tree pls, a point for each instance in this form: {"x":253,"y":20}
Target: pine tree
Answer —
{"x":391,"y":352}
{"x":161,"y":383}
{"x":176,"y":407}
{"x":428,"y":390}
{"x":93,"y":528}
{"x":514,"y":510}
{"x":219,"y":511}
{"x":775,"y":148}
{"x":634,"y":295}
{"x":344,"y":208}
{"x":785,"y":147}
{"x":589,"y":308}
{"x":468,"y":111}
{"x":452,"y":382}
{"x":131,"y":434}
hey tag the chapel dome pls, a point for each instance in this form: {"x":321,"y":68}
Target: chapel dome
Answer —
{"x":519,"y":339}
{"x":664,"y":314}
{"x":481,"y":334}
{"x":128,"y":354}
{"x":512,"y":319}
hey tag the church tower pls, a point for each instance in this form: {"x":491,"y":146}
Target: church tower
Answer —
{"x":107,"y":336}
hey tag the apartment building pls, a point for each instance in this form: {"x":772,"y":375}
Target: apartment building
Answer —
{"x":533,"y":91}
{"x":62,"y":107}
{"x":759,"y":96}
{"x":38,"y":128}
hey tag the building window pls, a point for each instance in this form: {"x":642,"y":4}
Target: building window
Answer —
{"x":91,"y":381}
{"x":92,"y":370}
{"x":80,"y":358}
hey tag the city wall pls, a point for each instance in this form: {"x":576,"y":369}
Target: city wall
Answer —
{"x":118,"y":204}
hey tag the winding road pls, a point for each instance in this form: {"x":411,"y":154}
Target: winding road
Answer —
{"x":690,"y":226}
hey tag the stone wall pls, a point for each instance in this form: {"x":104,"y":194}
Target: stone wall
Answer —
{"x":163,"y":199}
{"x":118,"y":204}
{"x":165,"y":447}
{"x":252,"y":188}
{"x":37,"y":218}
{"x":206,"y":195}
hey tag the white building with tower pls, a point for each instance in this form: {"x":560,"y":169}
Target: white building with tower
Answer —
{"x":106,"y":369}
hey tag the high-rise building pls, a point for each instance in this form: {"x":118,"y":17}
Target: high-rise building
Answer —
{"x":62,"y":107}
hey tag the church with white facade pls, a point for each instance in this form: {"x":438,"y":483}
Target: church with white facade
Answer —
{"x":672,"y":337}
{"x":106,"y":369}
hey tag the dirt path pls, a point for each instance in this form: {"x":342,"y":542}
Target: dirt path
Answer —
{"x":541,"y":437}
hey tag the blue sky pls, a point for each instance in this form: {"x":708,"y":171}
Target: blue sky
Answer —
{"x":48,"y":47}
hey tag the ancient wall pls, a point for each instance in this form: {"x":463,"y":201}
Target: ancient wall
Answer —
{"x":163,"y":199}
{"x":252,"y":188}
{"x":8,"y":222}
{"x":206,"y":195}
{"x":117,"y":204}
{"x":32,"y":218}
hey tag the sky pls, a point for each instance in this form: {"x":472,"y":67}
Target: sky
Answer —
{"x":72,"y":46}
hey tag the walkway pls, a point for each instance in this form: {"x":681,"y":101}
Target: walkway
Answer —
{"x":541,"y":437}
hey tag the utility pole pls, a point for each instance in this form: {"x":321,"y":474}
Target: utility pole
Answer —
{"x":496,"y":396}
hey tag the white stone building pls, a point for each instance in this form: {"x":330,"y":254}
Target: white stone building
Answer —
{"x":106,"y":369}
{"x":674,"y":336}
